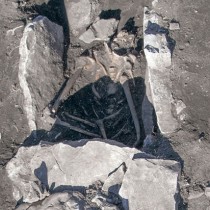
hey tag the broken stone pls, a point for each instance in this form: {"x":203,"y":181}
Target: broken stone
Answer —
{"x":42,"y":171}
{"x":101,"y":30}
{"x":81,"y":14}
{"x":59,"y":201}
{"x":150,"y":184}
{"x":156,"y":49}
{"x":174,"y":26}
{"x":40,"y":68}
{"x":63,"y":164}
{"x":158,"y":56}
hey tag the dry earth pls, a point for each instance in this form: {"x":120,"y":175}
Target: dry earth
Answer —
{"x":189,"y":74}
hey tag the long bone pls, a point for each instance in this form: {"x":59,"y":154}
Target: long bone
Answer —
{"x":79,"y":130}
{"x":131,"y":105}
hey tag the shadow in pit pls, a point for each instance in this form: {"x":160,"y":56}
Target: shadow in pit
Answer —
{"x":98,"y":110}
{"x":101,"y":110}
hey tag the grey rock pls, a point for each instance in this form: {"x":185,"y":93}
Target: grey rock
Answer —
{"x":158,"y":56}
{"x":64,"y":165}
{"x":80,"y":14}
{"x":101,"y":30}
{"x":40,"y":69}
{"x":150,"y":184}
{"x":40,"y":171}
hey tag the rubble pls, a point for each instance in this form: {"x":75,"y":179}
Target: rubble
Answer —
{"x":154,"y":183}
{"x":40,"y":171}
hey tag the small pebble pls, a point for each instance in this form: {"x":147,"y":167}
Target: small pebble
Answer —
{"x":174,"y":26}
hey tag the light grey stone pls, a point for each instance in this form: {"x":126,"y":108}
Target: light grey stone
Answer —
{"x":75,"y":164}
{"x":40,"y":171}
{"x":158,"y":56}
{"x":174,"y":26}
{"x":88,"y":36}
{"x":40,"y":68}
{"x":101,"y":30}
{"x":105,"y":28}
{"x":80,"y":14}
{"x":150,"y":184}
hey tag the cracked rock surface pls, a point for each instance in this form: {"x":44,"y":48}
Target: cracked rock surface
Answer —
{"x":38,"y":171}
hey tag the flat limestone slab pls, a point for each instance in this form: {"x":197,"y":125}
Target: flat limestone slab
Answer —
{"x":158,"y":55}
{"x":75,"y":164}
{"x":150,"y":184}
{"x":142,"y":182}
